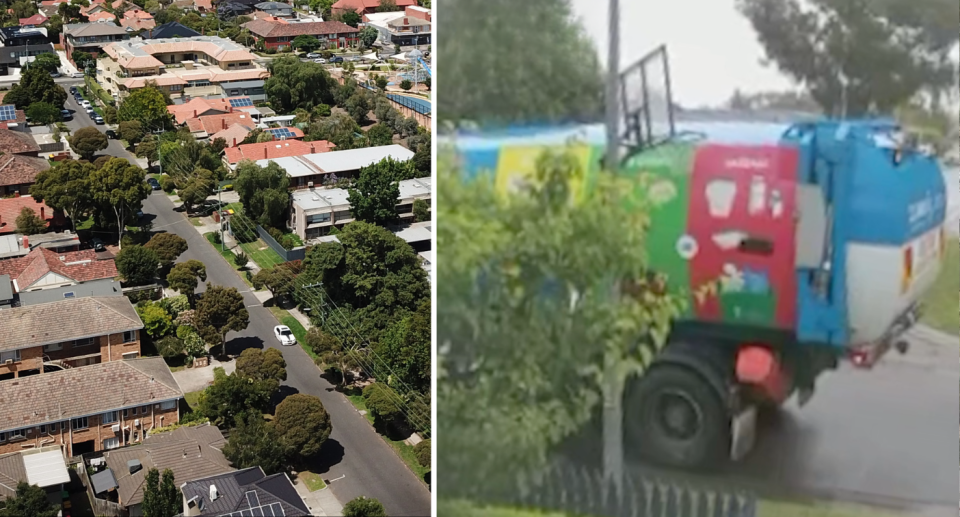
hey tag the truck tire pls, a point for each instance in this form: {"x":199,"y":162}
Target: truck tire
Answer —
{"x":675,"y":418}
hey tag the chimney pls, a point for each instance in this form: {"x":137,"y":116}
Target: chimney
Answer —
{"x":264,"y":152}
{"x":26,"y":243}
{"x":234,"y":143}
{"x":42,"y":212}
{"x":223,"y":122}
{"x":194,"y":113}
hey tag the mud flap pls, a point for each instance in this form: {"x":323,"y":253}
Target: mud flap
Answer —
{"x":743,"y":433}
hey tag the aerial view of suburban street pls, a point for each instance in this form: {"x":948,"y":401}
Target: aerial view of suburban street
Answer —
{"x":215,"y":258}
{"x":782,"y":178}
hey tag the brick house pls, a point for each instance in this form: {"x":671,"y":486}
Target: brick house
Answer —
{"x":88,"y":409}
{"x":278,"y":33}
{"x":90,"y":37}
{"x":273,"y":150}
{"x":44,"y":275}
{"x":18,"y":172}
{"x":11,"y":207}
{"x":363,"y":7}
{"x":42,"y":338}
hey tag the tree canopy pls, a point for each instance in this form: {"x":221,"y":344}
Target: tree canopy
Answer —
{"x":364,"y":507}
{"x":374,"y":198}
{"x":874,"y":54}
{"x":47,"y":61}
{"x":266,"y":366}
{"x":29,"y":223}
{"x":29,"y":501}
{"x":294,"y":84}
{"x":233,"y":397}
{"x":118,"y":187}
{"x":86,"y":141}
{"x":161,"y":497}
{"x":64,"y":187}
{"x":500,"y":69}
{"x":185,"y":276}
{"x":302,"y":425}
{"x":137,"y":265}
{"x":167,"y":246}
{"x":263,"y":192}
{"x":220,"y":310}
{"x":35,"y":85}
{"x":146,"y":105}
{"x":43,"y":113}
{"x":254,"y":443}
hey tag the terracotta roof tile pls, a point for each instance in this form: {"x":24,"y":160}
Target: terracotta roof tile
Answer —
{"x":17,"y":142}
{"x":37,"y":19}
{"x":275,"y":149}
{"x":102,"y":16}
{"x":85,"y":391}
{"x":364,"y":5}
{"x":214,"y":123}
{"x":10,"y":208}
{"x":66,"y":320}
{"x":203,"y":4}
{"x":273,"y":28}
{"x":79,"y":266}
{"x":16,"y":169}
{"x":233,"y":135}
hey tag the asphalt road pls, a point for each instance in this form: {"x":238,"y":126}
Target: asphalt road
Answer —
{"x":355,"y":459}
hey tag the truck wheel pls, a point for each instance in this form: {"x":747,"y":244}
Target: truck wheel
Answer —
{"x":675,"y":418}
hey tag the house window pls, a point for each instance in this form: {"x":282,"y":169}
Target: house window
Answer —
{"x":83,"y":342}
{"x":3,"y":437}
{"x":17,"y":434}
{"x":168,"y":405}
{"x":111,"y":443}
{"x":131,"y":355}
{"x":53,"y":347}
{"x":12,"y":356}
{"x":43,"y":428}
{"x":176,"y":87}
{"x":318,"y":218}
{"x":79,"y":423}
{"x":126,"y":412}
{"x":134,"y":436}
{"x":110,"y":417}
{"x":130,"y":336}
{"x":144,"y":410}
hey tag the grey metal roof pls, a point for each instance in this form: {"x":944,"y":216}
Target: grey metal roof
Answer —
{"x":245,"y":489}
{"x":169,"y":30}
{"x":6,"y":288}
{"x":103,"y":481}
{"x":243,"y":84}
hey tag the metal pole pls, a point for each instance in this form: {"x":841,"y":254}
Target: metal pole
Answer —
{"x":220,"y":208}
{"x":613,"y":384}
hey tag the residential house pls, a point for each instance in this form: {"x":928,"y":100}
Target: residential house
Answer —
{"x":22,"y":36}
{"x":13,"y":245}
{"x":244,"y":492}
{"x":44,"y":467}
{"x":198,"y":107}
{"x":44,"y":275}
{"x":170,"y":30}
{"x":417,"y":234}
{"x":10,"y":117}
{"x":273,"y":150}
{"x":316,"y":210}
{"x":205,"y":126}
{"x":232,"y":9}
{"x":198,"y":66}
{"x":279,"y":33}
{"x":418,"y":12}
{"x":18,"y":172}
{"x":90,"y":37}
{"x":365,"y":6}
{"x":277,"y":9}
{"x":137,"y":19}
{"x":190,"y":452}
{"x":203,"y":6}
{"x":11,"y":207}
{"x":17,"y":142}
{"x":88,"y":409}
{"x":400,"y":28}
{"x":71,"y":333}
{"x":102,"y":17}
{"x":33,"y":21}
{"x":323,"y":168}
{"x":19,"y":43}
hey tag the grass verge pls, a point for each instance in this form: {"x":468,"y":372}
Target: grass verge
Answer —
{"x":195,"y":221}
{"x":765,"y":509}
{"x":263,"y":255}
{"x":193,"y":399}
{"x":227,"y":255}
{"x":313,"y":481}
{"x":942,"y":304}
{"x":403,"y":450}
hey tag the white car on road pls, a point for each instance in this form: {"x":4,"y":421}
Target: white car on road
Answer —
{"x":284,"y":335}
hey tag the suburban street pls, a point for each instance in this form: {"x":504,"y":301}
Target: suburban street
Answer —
{"x":355,"y":460}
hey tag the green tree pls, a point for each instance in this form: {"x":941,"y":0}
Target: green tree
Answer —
{"x":405,"y":349}
{"x":263,"y":192}
{"x":566,"y":60}
{"x":351,"y":18}
{"x":148,"y":150}
{"x":29,"y":223}
{"x":137,"y":265}
{"x":170,"y":495}
{"x":156,"y":320}
{"x":264,"y":366}
{"x":374,"y":199}
{"x":54,"y":27}
{"x":81,"y":58}
{"x":871,"y":56}
{"x":50,"y":62}
{"x":364,"y":507}
{"x":384,"y":404}
{"x":221,"y":310}
{"x":118,"y":186}
{"x":254,"y":442}
{"x":86,"y":141}
{"x":160,"y":498}
{"x":406,"y":84}
{"x":422,"y":452}
{"x":331,"y":351}
{"x":66,"y":187}
{"x":358,"y":106}
{"x":233,"y":397}
{"x":422,"y":159}
{"x":198,"y":187}
{"x":518,"y":261}
{"x":29,"y":501}
{"x":382,"y":82}
{"x":421,"y":210}
{"x":43,"y":113}
{"x":35,"y":85}
{"x":185,"y":160}
{"x":305,"y":42}
{"x":302,"y":425}
{"x":146,"y":105}
{"x":278,"y":280}
{"x":387,"y":6}
{"x":131,"y":131}
{"x":322,"y":6}
{"x":294,"y":84}
{"x":380,"y":134}
{"x":368,"y":36}
{"x":184,"y":277}
{"x":167,"y":246}
{"x":110,"y":114}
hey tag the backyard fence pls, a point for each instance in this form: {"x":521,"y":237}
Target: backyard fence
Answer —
{"x":416,"y":113}
{"x":51,"y":147}
{"x":101,"y":507}
{"x":298,"y":253}
{"x":573,"y":490}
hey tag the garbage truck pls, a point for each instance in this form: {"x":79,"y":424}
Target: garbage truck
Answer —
{"x":798,"y":245}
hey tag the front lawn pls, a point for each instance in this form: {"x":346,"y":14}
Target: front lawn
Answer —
{"x":193,"y":399}
{"x":313,"y":481}
{"x":942,"y":303}
{"x":263,"y":255}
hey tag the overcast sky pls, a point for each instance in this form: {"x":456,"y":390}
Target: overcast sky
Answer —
{"x":713,"y":49}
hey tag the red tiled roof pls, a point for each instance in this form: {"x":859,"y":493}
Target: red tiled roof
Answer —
{"x":206,"y":5}
{"x":137,"y":19}
{"x":105,"y":16}
{"x":233,"y":135}
{"x":17,"y":142}
{"x":17,"y":169}
{"x":275,"y":149}
{"x":79,"y":266}
{"x":275,"y":27}
{"x":214,"y":123}
{"x":10,"y":208}
{"x":366,"y":5}
{"x":37,"y":19}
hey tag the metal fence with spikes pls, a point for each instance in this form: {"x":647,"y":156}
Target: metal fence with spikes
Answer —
{"x":585,"y":492}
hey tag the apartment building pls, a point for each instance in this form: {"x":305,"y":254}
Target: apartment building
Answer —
{"x":44,"y":338}
{"x":90,"y":37}
{"x":398,"y":28}
{"x":199,"y":66}
{"x":94,"y":408}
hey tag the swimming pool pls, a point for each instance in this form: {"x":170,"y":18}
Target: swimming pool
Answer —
{"x":418,"y":104}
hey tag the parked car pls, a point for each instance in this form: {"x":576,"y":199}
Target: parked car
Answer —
{"x":91,"y":113}
{"x":111,"y":134}
{"x":97,"y":244}
{"x":336,"y":59}
{"x":98,"y":120}
{"x":66,"y":114}
{"x":284,"y":335}
{"x":320,"y":60}
{"x":73,"y":90}
{"x":76,"y":75}
{"x":86,"y":104}
{"x":313,"y":55}
{"x":153,"y":183}
{"x":54,"y":74}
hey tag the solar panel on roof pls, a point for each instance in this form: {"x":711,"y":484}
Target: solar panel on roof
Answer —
{"x":258,"y":511}
{"x":277,"y":510}
{"x":247,"y":513}
{"x":252,"y":499}
{"x":8,"y":112}
{"x":241,"y":102}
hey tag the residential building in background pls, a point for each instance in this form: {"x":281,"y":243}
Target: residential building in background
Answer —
{"x":365,"y":6}
{"x":90,"y":37}
{"x":198,"y":66}
{"x":279,"y":33}
{"x":44,"y":275}
{"x":14,"y":246}
{"x":41,"y":466}
{"x":169,"y":30}
{"x":399,"y":28}
{"x":44,"y":338}
{"x":88,"y":409}
{"x":19,"y":45}
{"x":276,"y":9}
{"x":137,"y":19}
{"x":316,"y":170}
{"x":273,"y":150}
{"x":247,"y":490}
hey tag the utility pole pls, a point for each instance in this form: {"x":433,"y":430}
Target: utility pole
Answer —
{"x":614,"y":380}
